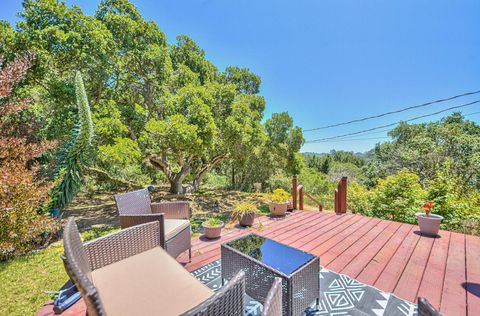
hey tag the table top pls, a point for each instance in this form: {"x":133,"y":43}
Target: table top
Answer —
{"x":278,"y":256}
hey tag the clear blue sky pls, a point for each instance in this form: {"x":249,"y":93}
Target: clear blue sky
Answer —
{"x":332,"y":61}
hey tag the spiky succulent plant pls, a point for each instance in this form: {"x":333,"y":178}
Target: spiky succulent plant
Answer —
{"x":74,"y":154}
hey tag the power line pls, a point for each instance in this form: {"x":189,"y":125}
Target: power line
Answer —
{"x":351,"y":139}
{"x":392,"y":112}
{"x":392,"y":124}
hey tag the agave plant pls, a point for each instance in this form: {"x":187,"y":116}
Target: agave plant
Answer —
{"x":74,"y":154}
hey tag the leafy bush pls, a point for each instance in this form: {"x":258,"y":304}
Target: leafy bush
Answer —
{"x":23,"y":226}
{"x":456,"y":206}
{"x":216,"y":181}
{"x":280,"y":196}
{"x":397,"y":197}
{"x":318,"y":185}
{"x":280,"y":180}
{"x":358,"y":198}
{"x":338,"y":170}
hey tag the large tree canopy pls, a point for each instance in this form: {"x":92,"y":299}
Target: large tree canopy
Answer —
{"x":155,"y":106}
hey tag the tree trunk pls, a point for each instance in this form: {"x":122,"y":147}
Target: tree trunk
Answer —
{"x":176,"y":186}
{"x":174,"y":178}
{"x":197,"y":180}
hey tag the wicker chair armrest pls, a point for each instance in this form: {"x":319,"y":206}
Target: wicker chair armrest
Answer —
{"x":229,"y":300}
{"x":123,"y":244}
{"x":273,"y":303}
{"x":172,"y":210}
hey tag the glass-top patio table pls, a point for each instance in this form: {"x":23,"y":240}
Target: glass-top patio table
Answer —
{"x":263,"y":259}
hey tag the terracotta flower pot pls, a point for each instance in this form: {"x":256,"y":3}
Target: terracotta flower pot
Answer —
{"x":247,"y":219}
{"x":429,"y":225}
{"x":278,"y":209}
{"x":212,"y":232}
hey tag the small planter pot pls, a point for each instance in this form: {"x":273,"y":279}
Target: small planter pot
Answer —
{"x":429,"y":225}
{"x":247,"y":219}
{"x":212,"y":232}
{"x":278,"y":209}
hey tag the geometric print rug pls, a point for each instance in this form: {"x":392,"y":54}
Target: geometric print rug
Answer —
{"x":340,"y":295}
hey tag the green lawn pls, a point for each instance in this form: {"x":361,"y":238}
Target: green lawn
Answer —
{"x":25,"y":279}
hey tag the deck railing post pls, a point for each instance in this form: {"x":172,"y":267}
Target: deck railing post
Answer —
{"x":341,"y":196}
{"x":294,"y":192}
{"x":300,"y":198}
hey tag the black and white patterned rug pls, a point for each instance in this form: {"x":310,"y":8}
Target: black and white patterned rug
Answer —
{"x":340,"y":295}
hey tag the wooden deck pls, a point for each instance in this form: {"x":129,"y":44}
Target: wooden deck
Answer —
{"x":388,"y":255}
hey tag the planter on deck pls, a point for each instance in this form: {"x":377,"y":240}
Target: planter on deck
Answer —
{"x":429,"y":225}
{"x":278,"y":209}
{"x":212,"y":232}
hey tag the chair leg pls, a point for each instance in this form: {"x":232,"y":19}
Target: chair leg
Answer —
{"x":189,"y":254}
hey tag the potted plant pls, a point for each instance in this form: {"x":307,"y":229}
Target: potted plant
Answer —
{"x":429,"y":223}
{"x":279,"y":202}
{"x":212,"y":228}
{"x":245,"y":213}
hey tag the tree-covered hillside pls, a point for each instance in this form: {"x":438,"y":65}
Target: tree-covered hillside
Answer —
{"x":161,"y":112}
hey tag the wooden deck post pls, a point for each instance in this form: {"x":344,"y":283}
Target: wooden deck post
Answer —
{"x":294,"y":192}
{"x":300,"y":198}
{"x":341,"y":196}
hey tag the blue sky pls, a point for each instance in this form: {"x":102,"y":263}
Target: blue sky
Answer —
{"x":332,"y":61}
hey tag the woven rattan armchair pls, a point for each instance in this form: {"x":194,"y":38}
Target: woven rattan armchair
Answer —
{"x":273,"y":303}
{"x":136,"y":208}
{"x":426,"y":309}
{"x":128,"y":273}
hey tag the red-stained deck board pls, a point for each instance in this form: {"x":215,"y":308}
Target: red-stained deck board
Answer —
{"x":454,"y":295}
{"x":473,"y":274}
{"x":323,"y":230}
{"x":359,"y":246}
{"x":355,"y":265}
{"x":432,"y":281}
{"x":204,"y":245}
{"x":306,"y":223}
{"x":411,"y":277}
{"x":336,"y":245}
{"x":393,"y":270}
{"x":291,"y":234}
{"x":374,"y":268}
{"x":388,"y":255}
{"x":304,"y":236}
{"x":342,"y":226}
{"x":211,"y":251}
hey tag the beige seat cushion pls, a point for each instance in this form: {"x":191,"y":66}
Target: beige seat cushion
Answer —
{"x":150,"y":283}
{"x":174,"y":226}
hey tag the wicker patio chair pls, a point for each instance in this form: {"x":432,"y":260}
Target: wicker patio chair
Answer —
{"x":426,"y":309}
{"x":273,"y":303}
{"x":128,"y":273}
{"x":136,"y":208}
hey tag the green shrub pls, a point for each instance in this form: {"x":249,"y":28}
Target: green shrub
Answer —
{"x":280,"y":196}
{"x":358,"y":198}
{"x":280,"y":180}
{"x":397,"y":197}
{"x":216,"y":181}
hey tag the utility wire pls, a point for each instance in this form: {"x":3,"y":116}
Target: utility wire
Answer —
{"x":392,"y":124}
{"x":392,"y":112}
{"x":389,"y":129}
{"x":352,"y":138}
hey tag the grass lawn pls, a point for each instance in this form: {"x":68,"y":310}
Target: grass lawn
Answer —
{"x":25,"y":279}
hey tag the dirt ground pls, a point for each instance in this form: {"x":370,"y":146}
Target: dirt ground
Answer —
{"x":98,"y":209}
